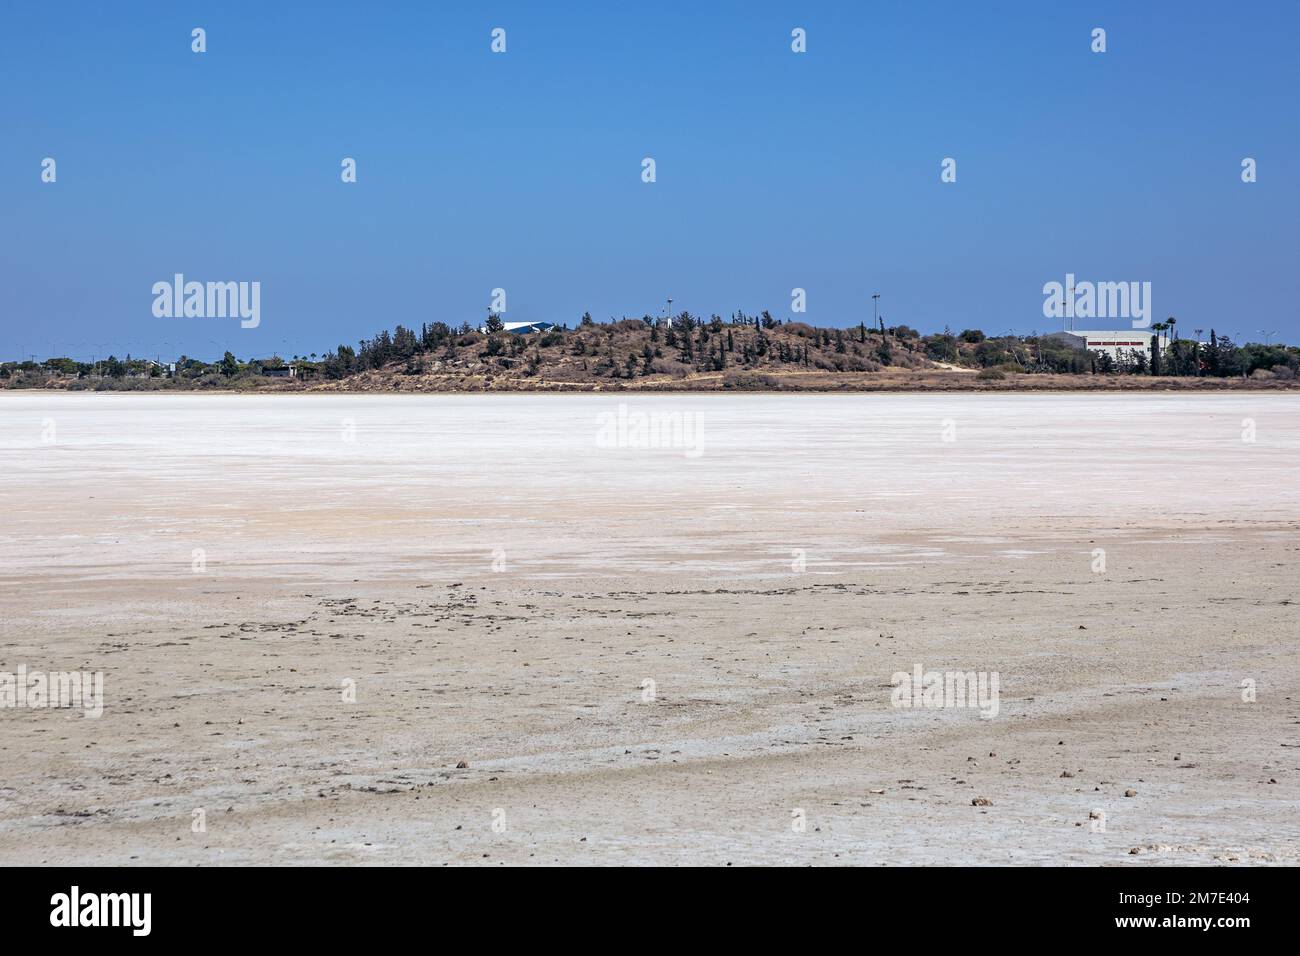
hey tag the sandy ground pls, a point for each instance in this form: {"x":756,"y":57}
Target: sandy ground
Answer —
{"x":499,"y":577}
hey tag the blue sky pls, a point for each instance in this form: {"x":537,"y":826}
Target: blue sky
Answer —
{"x":522,"y":170}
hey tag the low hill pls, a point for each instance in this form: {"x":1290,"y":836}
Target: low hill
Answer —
{"x":627,"y":354}
{"x":684,"y":354}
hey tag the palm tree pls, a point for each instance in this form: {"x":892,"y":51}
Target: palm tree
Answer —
{"x":1157,"y":328}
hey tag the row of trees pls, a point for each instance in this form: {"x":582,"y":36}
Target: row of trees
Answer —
{"x":1217,"y":357}
{"x":687,"y":342}
{"x":184,"y":369}
{"x":714,"y":344}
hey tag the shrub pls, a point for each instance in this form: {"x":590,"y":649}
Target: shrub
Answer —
{"x":750,"y":380}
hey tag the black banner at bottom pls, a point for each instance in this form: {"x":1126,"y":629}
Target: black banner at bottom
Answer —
{"x":227,"y":905}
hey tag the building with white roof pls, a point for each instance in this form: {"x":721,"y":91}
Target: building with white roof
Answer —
{"x":523,"y":328}
{"x":1123,"y":345}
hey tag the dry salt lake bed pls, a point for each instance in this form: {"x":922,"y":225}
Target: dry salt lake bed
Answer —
{"x":538,"y":629}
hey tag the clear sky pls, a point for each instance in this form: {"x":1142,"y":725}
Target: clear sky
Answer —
{"x":523,"y":170}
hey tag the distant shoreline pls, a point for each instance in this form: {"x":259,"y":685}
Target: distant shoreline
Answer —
{"x":913,"y":382}
{"x":688,"y":354}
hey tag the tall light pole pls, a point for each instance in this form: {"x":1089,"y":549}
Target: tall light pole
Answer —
{"x":1267,"y":335}
{"x":669,"y":310}
{"x":875,"y":313}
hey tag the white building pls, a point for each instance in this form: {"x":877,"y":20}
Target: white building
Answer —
{"x":1123,"y":345}
{"x":522,"y":328}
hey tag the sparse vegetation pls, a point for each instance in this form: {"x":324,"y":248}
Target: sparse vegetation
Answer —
{"x":687,"y":351}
